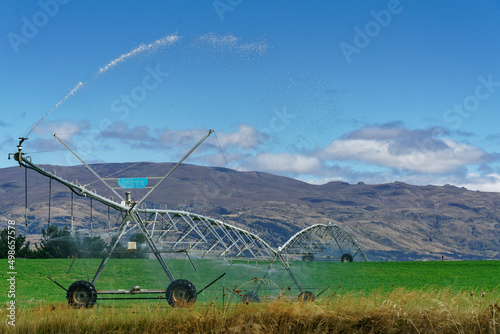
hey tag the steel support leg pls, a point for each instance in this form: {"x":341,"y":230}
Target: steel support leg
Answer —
{"x":152,"y":244}
{"x":120,"y":233}
{"x":289,"y":271}
{"x":261,"y":281}
{"x":278,"y":255}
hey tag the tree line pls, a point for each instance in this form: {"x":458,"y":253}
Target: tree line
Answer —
{"x":59,"y":243}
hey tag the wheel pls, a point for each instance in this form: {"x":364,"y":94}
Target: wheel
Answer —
{"x":306,"y":296}
{"x":308,"y":258}
{"x":250,"y":297}
{"x":181,"y":293}
{"x":81,"y":294}
{"x":346,"y":258}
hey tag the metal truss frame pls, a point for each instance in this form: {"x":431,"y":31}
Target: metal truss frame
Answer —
{"x":203,"y":236}
{"x":323,"y":242}
{"x":168,"y":231}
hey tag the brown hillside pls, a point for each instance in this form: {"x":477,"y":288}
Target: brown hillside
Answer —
{"x":390,"y":221}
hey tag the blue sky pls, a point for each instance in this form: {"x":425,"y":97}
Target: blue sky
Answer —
{"x":358,"y":91}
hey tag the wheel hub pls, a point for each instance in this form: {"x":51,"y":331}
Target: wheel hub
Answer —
{"x":180,"y":295}
{"x":81,"y":296}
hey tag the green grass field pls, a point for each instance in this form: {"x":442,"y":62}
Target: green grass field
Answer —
{"x":32,"y":286}
{"x":363,"y":297}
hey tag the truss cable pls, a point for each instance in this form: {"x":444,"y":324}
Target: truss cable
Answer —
{"x":26,"y":196}
{"x":91,"y":217}
{"x":38,"y":144}
{"x":64,"y":161}
{"x":230,"y":172}
{"x":205,"y":154}
{"x":88,"y":167}
{"x":175,"y":167}
{"x":140,"y":162}
{"x":77,"y":87}
{"x":79,"y":148}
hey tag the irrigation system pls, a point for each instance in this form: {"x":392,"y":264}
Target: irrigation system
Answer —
{"x":173,"y":231}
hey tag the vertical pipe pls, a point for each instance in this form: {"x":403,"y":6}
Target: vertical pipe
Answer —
{"x":109,"y":216}
{"x":50,"y":196}
{"x":91,"y":218}
{"x":26,"y":196}
{"x":72,"y":221}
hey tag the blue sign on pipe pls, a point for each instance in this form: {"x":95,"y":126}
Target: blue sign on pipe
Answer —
{"x":133,"y":183}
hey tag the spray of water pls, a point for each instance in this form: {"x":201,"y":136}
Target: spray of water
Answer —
{"x":230,"y":44}
{"x":73,"y":91}
{"x":165,"y":41}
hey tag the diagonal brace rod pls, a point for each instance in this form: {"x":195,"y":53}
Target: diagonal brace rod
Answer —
{"x":175,"y":167}
{"x":88,"y":167}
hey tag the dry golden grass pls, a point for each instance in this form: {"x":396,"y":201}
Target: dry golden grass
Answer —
{"x":400,"y":311}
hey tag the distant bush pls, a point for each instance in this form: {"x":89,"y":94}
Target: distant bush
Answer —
{"x":22,"y":247}
{"x":59,"y":243}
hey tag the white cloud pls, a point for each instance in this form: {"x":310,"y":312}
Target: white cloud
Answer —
{"x":489,"y":182}
{"x":121,"y":130}
{"x":233,"y":160}
{"x":64,"y":129}
{"x":170,"y":137}
{"x":376,"y":154}
{"x":320,"y":181}
{"x":404,"y":149}
{"x":286,"y":163}
{"x":245,"y":137}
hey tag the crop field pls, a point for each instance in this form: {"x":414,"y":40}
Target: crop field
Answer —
{"x":400,"y":297}
{"x":33,"y":286}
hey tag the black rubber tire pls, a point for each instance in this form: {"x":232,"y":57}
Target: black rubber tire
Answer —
{"x":306,"y":296}
{"x":250,"y":297}
{"x":181,"y":293}
{"x":346,"y":258}
{"x":81,"y":294}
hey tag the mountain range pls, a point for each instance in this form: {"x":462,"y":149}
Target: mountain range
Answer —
{"x":393,"y":221}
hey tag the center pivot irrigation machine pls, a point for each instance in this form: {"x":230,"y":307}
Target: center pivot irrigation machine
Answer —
{"x":171,"y":231}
